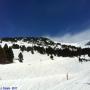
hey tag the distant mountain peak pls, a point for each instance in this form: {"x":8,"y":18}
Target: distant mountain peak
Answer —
{"x":88,"y":43}
{"x":35,"y":40}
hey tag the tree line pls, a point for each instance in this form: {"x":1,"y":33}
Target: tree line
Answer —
{"x":65,"y":51}
{"x":7,"y":55}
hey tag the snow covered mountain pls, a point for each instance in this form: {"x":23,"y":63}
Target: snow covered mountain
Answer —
{"x":88,"y":43}
{"x":38,"y":71}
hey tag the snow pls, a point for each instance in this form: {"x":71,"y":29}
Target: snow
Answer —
{"x":39,"y":72}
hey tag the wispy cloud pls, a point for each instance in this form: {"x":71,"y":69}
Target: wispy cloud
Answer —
{"x":69,"y":38}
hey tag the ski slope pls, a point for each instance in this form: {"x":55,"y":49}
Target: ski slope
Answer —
{"x":39,"y":72}
{"x":46,"y":74}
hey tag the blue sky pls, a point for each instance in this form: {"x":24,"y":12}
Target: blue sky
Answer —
{"x":43,"y":17}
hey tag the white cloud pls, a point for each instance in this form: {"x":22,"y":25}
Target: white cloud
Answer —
{"x":69,"y":38}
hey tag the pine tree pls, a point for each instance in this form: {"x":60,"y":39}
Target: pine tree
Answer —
{"x":51,"y":57}
{"x":32,"y":51}
{"x":5,"y":47}
{"x":10,"y":55}
{"x":3,"y":59}
{"x":20,"y":57}
{"x":23,"y":48}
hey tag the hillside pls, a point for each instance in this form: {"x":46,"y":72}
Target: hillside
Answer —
{"x":39,"y":72}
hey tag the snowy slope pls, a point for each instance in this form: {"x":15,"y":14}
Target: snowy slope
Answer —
{"x":39,"y":72}
{"x":47,"y":75}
